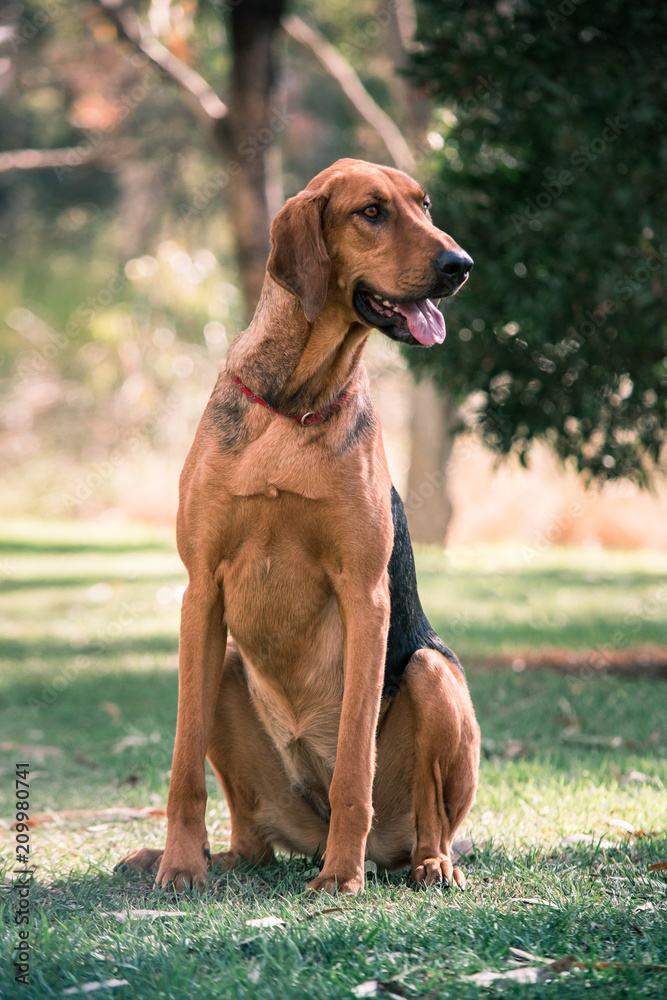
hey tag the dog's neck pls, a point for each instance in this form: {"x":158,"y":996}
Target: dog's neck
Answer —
{"x":294,"y":365}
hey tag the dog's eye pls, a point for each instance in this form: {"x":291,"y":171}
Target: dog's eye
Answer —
{"x":372,"y":212}
{"x":427,"y":205}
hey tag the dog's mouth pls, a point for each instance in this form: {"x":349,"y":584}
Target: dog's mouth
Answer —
{"x":417,"y":322}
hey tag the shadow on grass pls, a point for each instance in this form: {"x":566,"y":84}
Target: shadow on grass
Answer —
{"x":38,"y":547}
{"x":87,"y":579}
{"x":50,"y":649}
{"x":588,"y":633}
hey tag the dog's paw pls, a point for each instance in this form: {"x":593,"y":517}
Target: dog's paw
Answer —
{"x":334,"y":884}
{"x":183,"y":871}
{"x":437,"y":871}
{"x":143,"y":859}
{"x":223,"y":862}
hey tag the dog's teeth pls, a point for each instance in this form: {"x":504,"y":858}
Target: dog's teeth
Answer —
{"x":386,"y":302}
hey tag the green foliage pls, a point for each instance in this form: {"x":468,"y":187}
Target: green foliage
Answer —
{"x":552,"y":176}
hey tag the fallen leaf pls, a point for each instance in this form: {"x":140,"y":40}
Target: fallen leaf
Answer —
{"x":622,"y":824}
{"x":367,"y":989}
{"x":532,"y":901}
{"x":30,"y":752}
{"x":265,"y":922}
{"x":527,"y":974}
{"x":539,"y":974}
{"x":104,"y":984}
{"x":122,"y":916}
{"x":659,"y":866}
{"x":527,"y":956}
{"x":131,"y":740}
{"x":121,"y":814}
{"x":587,"y":838}
{"x":112,"y":709}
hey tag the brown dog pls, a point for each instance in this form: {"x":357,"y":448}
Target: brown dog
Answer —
{"x":335,"y":717}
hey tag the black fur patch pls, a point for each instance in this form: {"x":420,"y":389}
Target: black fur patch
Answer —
{"x":409,"y":628}
{"x":364,"y":423}
{"x":227,"y":413}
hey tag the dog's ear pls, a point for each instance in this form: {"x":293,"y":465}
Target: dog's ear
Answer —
{"x":299,"y":260}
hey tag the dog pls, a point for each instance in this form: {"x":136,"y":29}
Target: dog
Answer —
{"x":333,"y":716}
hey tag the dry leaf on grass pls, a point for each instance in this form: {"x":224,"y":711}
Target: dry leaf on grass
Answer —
{"x":628,"y":829}
{"x":265,"y":922}
{"x":123,"y":915}
{"x":526,"y":974}
{"x":112,"y":709}
{"x":659,"y":866}
{"x":104,"y":984}
{"x":553,"y":968}
{"x":119,"y":815}
{"x":586,"y":838}
{"x":373,"y":987}
{"x":533,"y":901}
{"x":527,"y":956}
{"x":30,"y":752}
{"x":367,"y":989}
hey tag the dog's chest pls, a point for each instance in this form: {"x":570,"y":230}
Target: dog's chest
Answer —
{"x":281,"y":610}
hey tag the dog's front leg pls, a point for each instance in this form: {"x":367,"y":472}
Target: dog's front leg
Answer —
{"x":201,"y":655}
{"x":366,"y":623}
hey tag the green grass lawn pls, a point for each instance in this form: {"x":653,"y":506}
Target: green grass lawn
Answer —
{"x":570,"y":813}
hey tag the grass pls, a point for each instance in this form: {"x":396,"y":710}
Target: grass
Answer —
{"x":571,"y":807}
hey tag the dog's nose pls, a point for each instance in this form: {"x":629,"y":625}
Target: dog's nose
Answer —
{"x":453,"y":264}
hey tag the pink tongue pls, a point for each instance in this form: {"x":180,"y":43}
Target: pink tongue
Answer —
{"x":425,"y":322}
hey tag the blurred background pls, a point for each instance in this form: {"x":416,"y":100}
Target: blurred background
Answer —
{"x":146,"y":147}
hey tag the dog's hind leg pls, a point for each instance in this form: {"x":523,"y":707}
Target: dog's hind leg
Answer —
{"x":446,"y":744}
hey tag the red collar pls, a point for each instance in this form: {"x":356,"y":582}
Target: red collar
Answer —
{"x":306,"y":418}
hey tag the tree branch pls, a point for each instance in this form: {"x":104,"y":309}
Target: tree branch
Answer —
{"x":130,"y":28}
{"x":342,"y":71}
{"x":68,"y":156}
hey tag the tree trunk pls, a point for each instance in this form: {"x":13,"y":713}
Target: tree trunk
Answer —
{"x":433,"y":416}
{"x":432,"y":431}
{"x":247,"y":135}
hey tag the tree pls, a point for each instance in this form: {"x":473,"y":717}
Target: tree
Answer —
{"x":552,"y":176}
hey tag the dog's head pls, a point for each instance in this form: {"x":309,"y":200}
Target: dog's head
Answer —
{"x":360,"y":238}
